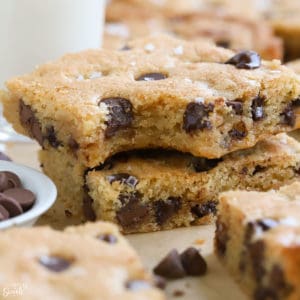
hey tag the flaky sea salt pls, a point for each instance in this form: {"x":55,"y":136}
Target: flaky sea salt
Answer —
{"x":149,"y":47}
{"x":178,"y":50}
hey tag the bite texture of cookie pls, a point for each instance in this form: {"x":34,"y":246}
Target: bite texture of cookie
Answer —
{"x":164,"y":92}
{"x":90,"y":262}
{"x":258,"y":240}
{"x":155,"y":190}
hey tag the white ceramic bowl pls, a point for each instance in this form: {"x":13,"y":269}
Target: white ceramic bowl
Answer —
{"x":43,"y":188}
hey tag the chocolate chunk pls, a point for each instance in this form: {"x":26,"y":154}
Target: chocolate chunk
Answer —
{"x":287,"y":117}
{"x":107,"y":237}
{"x":221,"y":238}
{"x":202,"y":164}
{"x":257,"y":108}
{"x":87,"y":207}
{"x":151,"y":77}
{"x":165,"y":209}
{"x":30,"y":122}
{"x":123,"y":178}
{"x":256,"y":251}
{"x":278,"y":282}
{"x":68,"y":214}
{"x":137,"y":285}
{"x":54,"y":263}
{"x":132,"y":211}
{"x":11,"y":205}
{"x":4,"y":157}
{"x":13,"y":180}
{"x":196,"y":116}
{"x":239,"y":131}
{"x":170,"y":266}
{"x":73,"y":145}
{"x":120,"y":115}
{"x":223,"y":44}
{"x":24,"y":197}
{"x":202,"y":210}
{"x":245,"y":60}
{"x":4,"y":214}
{"x":52,"y":138}
{"x":296,"y":102}
{"x":193,"y":263}
{"x":258,"y":169}
{"x":178,"y":293}
{"x":236,"y":106}
{"x":160,"y":282}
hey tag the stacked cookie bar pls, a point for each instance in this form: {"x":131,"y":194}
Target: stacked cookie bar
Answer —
{"x":258,"y":240}
{"x":93,"y":112}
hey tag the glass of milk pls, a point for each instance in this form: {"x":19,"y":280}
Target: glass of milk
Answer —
{"x":36,"y":31}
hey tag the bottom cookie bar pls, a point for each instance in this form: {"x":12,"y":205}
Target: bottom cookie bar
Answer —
{"x":155,"y":190}
{"x":88,"y":262}
{"x":258,"y":240}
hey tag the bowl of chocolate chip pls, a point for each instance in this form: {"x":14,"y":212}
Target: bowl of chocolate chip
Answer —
{"x":25,"y":194}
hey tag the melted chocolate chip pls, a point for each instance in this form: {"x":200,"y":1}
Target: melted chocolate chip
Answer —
{"x":202,"y":164}
{"x":151,"y":77}
{"x":193,"y":263}
{"x":236,"y":106}
{"x":245,"y":60}
{"x":258,"y":169}
{"x":54,"y":263}
{"x":202,"y":210}
{"x":73,"y":145}
{"x":296,"y":102}
{"x":30,"y":122}
{"x":265,"y":293}
{"x":87,"y":207}
{"x":120,"y":115}
{"x":267,"y":224}
{"x":196,"y":116}
{"x":221,"y":238}
{"x":137,"y":285}
{"x":107,"y":237}
{"x":52,"y":138}
{"x":256,"y":251}
{"x":278,"y":282}
{"x":132,"y":211}
{"x":4,"y":157}
{"x":170,"y":266}
{"x":164,"y":210}
{"x":23,"y":196}
{"x":287,"y":117}
{"x":239,"y":131}
{"x":257,"y":108}
{"x":123,"y":178}
{"x":223,"y":44}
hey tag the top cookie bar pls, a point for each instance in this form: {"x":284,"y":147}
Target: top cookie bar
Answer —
{"x":162,"y":92}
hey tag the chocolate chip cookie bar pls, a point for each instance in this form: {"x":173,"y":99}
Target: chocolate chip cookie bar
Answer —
{"x":258,"y":240}
{"x":87,"y":262}
{"x":151,"y":190}
{"x":162,"y":92}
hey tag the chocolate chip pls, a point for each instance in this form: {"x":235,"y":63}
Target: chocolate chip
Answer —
{"x":204,"y":209}
{"x":107,"y":237}
{"x":23,"y":196}
{"x":196,"y":116}
{"x":52,"y":138}
{"x":258,"y":169}
{"x":296,"y":102}
{"x":287,"y":117}
{"x":178,"y":293}
{"x":54,"y":263}
{"x":87,"y":207}
{"x":267,"y":224}
{"x":236,"y":106}
{"x":264,"y":293}
{"x":13,"y":180}
{"x":201,"y":164}
{"x":137,"y":285}
{"x":223,"y":44}
{"x":151,"y":77}
{"x":68,"y":214}
{"x":256,"y":251}
{"x":193,"y":263}
{"x":4,"y":214}
{"x":165,"y":209}
{"x":3,"y":181}
{"x":170,"y":266}
{"x":245,"y":60}
{"x":239,"y":131}
{"x":11,"y":205}
{"x":73,"y":145}
{"x":257,"y":108}
{"x":160,"y":282}
{"x":132,"y":211}
{"x":120,"y":115}
{"x":221,"y":238}
{"x":125,"y":48}
{"x":123,"y":178}
{"x":4,"y":157}
{"x":277,"y":279}
{"x":30,"y":122}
